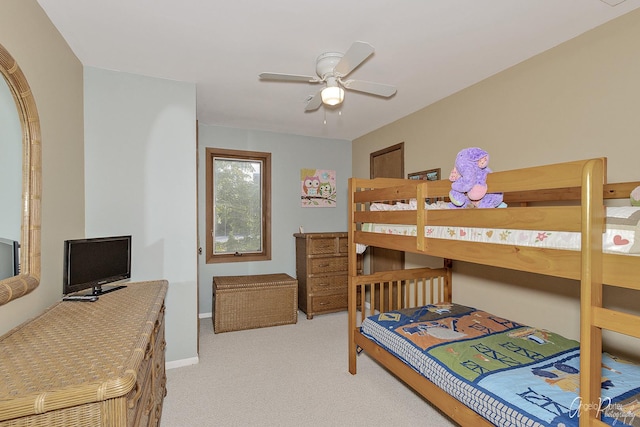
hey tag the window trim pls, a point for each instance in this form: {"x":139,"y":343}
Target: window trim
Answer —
{"x":263,"y":157}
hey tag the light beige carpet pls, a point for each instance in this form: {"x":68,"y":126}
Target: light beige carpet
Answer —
{"x":291,"y":375}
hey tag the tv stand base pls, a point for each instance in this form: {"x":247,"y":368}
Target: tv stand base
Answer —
{"x":99,"y":290}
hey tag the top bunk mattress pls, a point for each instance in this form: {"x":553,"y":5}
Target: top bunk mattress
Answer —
{"x":622,"y":231}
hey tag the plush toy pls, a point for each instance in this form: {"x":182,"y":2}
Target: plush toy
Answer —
{"x":635,"y":197}
{"x":469,"y":181}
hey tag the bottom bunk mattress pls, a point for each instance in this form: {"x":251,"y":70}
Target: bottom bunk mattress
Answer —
{"x":511,"y":374}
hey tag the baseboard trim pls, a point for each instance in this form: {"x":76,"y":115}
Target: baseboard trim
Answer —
{"x":181,"y":363}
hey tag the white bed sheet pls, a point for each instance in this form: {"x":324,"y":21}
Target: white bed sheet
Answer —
{"x":622,"y":232}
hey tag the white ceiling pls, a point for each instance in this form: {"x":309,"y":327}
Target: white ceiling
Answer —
{"x":428,"y":49}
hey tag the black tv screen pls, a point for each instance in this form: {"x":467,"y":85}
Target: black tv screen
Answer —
{"x":94,"y":262}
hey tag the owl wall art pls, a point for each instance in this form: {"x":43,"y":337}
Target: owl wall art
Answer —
{"x":317,"y":188}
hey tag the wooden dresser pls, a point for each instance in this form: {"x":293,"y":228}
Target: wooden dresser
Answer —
{"x":322,"y":270}
{"x":88,"y":363}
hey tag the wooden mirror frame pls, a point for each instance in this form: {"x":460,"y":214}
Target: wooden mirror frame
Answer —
{"x":29,"y":277}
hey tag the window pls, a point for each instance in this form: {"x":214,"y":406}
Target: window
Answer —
{"x":238,"y":205}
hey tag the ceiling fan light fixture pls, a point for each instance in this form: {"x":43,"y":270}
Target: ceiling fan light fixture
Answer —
{"x":331,"y":70}
{"x":332,"y":95}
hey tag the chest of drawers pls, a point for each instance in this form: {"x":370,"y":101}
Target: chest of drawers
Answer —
{"x":322,"y":270}
{"x":88,"y":363}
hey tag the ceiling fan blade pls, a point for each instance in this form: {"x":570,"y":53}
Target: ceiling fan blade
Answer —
{"x":370,"y":87}
{"x":314,"y":103}
{"x":357,"y":53}
{"x":288,"y":77}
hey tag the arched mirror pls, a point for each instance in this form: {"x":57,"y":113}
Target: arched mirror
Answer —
{"x":27,"y":247}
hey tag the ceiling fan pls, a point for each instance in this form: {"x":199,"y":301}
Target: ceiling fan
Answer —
{"x":331,"y":69}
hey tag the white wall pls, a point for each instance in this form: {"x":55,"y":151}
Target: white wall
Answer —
{"x":289,"y":154}
{"x":140,"y":179}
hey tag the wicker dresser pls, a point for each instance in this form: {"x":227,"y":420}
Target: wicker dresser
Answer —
{"x":322,"y":270}
{"x":88,"y":363}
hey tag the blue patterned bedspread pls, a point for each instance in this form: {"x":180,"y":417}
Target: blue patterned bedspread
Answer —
{"x":511,"y":374}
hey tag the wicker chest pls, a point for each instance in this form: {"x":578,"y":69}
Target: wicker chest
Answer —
{"x":255,"y":301}
{"x":88,"y":363}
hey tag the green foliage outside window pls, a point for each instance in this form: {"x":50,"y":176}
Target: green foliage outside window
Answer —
{"x":237,"y":206}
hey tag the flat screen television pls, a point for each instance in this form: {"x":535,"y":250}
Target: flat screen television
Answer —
{"x":94,"y":262}
{"x":9,"y":258}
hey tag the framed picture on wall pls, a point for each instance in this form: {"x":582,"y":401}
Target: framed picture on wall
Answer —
{"x":429,"y":175}
{"x":318,"y":188}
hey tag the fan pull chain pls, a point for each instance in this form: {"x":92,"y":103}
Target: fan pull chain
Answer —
{"x":324,"y":112}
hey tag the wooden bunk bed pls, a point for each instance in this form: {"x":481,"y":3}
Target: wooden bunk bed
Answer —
{"x":584,"y":181}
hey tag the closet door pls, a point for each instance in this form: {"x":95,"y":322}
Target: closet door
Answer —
{"x":387,"y":163}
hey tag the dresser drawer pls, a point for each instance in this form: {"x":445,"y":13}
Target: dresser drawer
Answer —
{"x":332,"y":302}
{"x":343,"y":245}
{"x":329,"y":264}
{"x":158,"y":326}
{"x":328,"y":283}
{"x":147,"y":409}
{"x":136,"y":399}
{"x":158,"y":336}
{"x":323,"y":246}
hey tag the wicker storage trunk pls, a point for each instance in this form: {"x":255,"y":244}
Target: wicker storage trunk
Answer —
{"x":247,"y":302}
